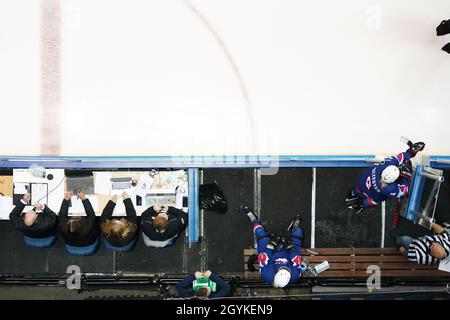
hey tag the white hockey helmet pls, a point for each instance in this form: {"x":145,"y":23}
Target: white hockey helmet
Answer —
{"x":390,"y":174}
{"x":282,"y":277}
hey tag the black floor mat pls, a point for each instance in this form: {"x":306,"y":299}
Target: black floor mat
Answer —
{"x":228,"y":234}
{"x":336,"y":225}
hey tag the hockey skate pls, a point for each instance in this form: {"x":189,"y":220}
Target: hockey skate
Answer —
{"x":248,"y":212}
{"x":352,"y":199}
{"x":295,"y":223}
{"x":357,"y":209}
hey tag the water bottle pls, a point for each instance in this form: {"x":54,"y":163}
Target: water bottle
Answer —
{"x":37,"y":171}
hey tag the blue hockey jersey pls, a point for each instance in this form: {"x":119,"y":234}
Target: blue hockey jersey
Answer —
{"x":271,"y":260}
{"x":370,"y":187}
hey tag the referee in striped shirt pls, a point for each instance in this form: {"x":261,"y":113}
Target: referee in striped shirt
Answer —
{"x":428,"y":249}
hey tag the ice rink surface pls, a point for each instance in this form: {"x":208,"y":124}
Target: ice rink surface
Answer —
{"x":199,"y":77}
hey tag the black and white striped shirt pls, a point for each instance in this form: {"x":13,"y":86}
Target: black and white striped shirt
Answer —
{"x":419,"y":249}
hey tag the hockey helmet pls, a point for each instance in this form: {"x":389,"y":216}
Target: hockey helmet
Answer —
{"x":390,"y":174}
{"x":282,"y":277}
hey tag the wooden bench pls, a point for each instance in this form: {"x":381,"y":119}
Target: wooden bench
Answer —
{"x":353,"y":263}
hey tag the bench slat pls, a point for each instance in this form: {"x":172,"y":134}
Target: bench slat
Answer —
{"x":374,"y":258}
{"x":339,"y":251}
{"x":364,"y":266}
{"x":386,"y":273}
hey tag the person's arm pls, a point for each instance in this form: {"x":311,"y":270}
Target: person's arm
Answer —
{"x":397,"y":160}
{"x":90,"y":213}
{"x":49,"y":218}
{"x":176,"y":212}
{"x":129,"y":208}
{"x":148,"y":213}
{"x":437,"y":228}
{"x":395,"y":190}
{"x":183,"y":287}
{"x":108,"y":210}
{"x":223,"y":288}
{"x":64,"y":210}
{"x":48,"y":211}
{"x":15,"y":217}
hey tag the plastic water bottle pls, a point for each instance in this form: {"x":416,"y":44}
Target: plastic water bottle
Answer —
{"x":37,"y":171}
{"x":322,"y":267}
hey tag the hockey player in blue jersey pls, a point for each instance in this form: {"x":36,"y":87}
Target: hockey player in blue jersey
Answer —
{"x":380,"y":182}
{"x":279,"y":264}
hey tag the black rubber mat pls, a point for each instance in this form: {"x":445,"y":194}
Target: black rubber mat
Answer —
{"x":285,"y":195}
{"x":16,"y":257}
{"x":152,"y":260}
{"x":336,"y":225}
{"x":228,"y":234}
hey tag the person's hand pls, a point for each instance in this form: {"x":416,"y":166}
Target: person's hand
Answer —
{"x":114,"y":198}
{"x":39,"y":206}
{"x":67,"y":195}
{"x":402,"y":250}
{"x":81,"y":195}
{"x":26,"y":197}
{"x":198,"y":275}
{"x":416,"y":147}
{"x":406,"y":169}
{"x":157,"y":207}
{"x":207,"y":274}
{"x":125,"y":195}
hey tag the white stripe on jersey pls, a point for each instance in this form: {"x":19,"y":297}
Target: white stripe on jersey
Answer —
{"x":418,"y":250}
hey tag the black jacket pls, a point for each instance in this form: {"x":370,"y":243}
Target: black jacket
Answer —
{"x":45,"y":225}
{"x":131,"y":217}
{"x":89,"y":231}
{"x":176,"y":223}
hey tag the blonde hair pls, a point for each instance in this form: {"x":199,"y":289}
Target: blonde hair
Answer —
{"x":160,"y":223}
{"x":121,"y":228}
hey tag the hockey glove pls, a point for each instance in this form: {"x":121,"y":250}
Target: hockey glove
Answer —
{"x":406,"y":170}
{"x":443,"y":28}
{"x":416,"y":147}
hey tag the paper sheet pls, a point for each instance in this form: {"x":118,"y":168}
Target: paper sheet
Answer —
{"x":21,"y":188}
{"x":119,"y":210}
{"x":39,"y":193}
{"x":77,"y":205}
{"x":102,"y":183}
{"x":444,"y":265}
{"x":6,"y":206}
{"x":143,"y":186}
{"x":53,"y":179}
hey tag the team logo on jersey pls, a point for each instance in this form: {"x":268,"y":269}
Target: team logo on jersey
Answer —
{"x":297,"y":261}
{"x":368,"y":183}
{"x":400,"y":158}
{"x":263,"y":259}
{"x":403,"y":191}
{"x":281,"y":261}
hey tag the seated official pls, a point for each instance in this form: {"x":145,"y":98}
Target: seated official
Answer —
{"x":78,"y":231}
{"x":203,"y":285}
{"x":162,"y":225}
{"x":39,"y":222}
{"x":428,"y":249}
{"x":119,"y":231}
